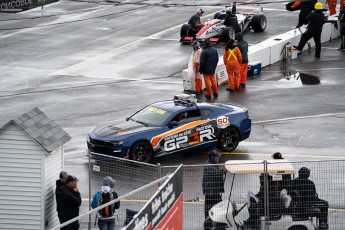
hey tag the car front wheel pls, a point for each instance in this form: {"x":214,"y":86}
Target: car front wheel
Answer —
{"x":228,"y":139}
{"x":142,"y":152}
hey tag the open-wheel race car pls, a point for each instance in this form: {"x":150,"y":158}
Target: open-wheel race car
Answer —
{"x":217,"y":32}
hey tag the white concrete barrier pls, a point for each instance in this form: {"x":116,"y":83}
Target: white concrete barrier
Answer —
{"x":270,"y":51}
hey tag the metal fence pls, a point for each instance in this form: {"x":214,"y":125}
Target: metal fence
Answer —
{"x":328,"y":177}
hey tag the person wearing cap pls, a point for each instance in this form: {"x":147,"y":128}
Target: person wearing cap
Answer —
{"x":232,"y":59}
{"x":212,"y":181}
{"x":70,"y":202}
{"x":243,"y":46}
{"x":59,"y":183}
{"x":195,"y":58}
{"x":314,"y":30}
{"x":195,"y":21}
{"x":106,"y":223}
{"x":286,"y":178}
{"x":308,"y":196}
{"x":208,"y":63}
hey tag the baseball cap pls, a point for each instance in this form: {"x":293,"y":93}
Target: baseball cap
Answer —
{"x":63,"y":175}
{"x":200,"y":11}
{"x":71,"y":178}
{"x":277,"y":155}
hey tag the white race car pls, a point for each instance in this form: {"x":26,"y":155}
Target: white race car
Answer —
{"x":218,"y":32}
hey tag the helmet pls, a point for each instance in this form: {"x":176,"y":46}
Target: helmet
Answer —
{"x":318,"y":6}
{"x":277,"y":155}
{"x":304,"y":172}
{"x":213,"y":154}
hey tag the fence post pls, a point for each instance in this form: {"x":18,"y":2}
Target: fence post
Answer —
{"x":89,"y":224}
{"x":266,"y":203}
{"x":159,"y":172}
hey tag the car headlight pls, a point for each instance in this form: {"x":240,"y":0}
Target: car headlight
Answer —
{"x":117,"y":143}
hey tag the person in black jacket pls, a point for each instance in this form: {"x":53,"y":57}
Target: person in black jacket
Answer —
{"x":59,"y":183}
{"x":208,"y":63}
{"x":308,"y":196}
{"x":314,"y":30}
{"x":70,"y":202}
{"x":212,"y":181}
{"x":243,"y":46}
{"x":305,"y":7}
{"x":231,"y":21}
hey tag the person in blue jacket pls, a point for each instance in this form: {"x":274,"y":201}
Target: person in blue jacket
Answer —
{"x":106,"y":216}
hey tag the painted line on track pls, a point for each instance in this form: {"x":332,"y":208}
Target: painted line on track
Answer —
{"x":304,"y":70}
{"x":297,"y":155}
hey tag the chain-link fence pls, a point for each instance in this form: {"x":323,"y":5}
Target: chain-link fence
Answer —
{"x":258,"y":195}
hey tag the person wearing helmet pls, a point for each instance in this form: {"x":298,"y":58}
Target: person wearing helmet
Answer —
{"x":196,"y":64}
{"x":208,"y":64}
{"x":308,"y":196}
{"x":231,"y":21}
{"x":195,"y":21}
{"x":342,"y":26}
{"x":314,"y":30}
{"x":305,"y":6}
{"x":212,"y":181}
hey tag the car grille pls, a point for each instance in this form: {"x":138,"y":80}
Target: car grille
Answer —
{"x":100,"y":143}
{"x":102,"y":147}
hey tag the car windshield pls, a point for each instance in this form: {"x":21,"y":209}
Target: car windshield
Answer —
{"x":151,"y":116}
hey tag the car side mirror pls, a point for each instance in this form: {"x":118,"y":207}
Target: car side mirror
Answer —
{"x":172,"y":124}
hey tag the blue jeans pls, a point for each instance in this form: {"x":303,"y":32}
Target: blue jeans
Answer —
{"x":106,"y":224}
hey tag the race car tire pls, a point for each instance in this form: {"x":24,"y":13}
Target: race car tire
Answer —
{"x":141,"y":151}
{"x":216,"y":15}
{"x":228,"y":139}
{"x":186,"y":31}
{"x":227,"y":33}
{"x":259,"y":22}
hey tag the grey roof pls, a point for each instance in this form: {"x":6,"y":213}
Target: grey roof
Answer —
{"x":43,"y":130}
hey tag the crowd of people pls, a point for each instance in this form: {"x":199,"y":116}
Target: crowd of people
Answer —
{"x":68,"y":202}
{"x":235,"y":55}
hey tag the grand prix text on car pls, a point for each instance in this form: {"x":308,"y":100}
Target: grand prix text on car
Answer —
{"x":172,"y":126}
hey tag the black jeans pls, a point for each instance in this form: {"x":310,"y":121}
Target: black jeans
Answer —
{"x":306,"y":36}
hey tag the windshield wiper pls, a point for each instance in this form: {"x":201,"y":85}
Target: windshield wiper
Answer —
{"x":142,"y":123}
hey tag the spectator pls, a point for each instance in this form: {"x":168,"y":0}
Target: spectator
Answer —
{"x":231,"y":21}
{"x":308,"y":196}
{"x":232,"y":58}
{"x":342,"y":27}
{"x":195,"y":21}
{"x":277,"y":156}
{"x":196,"y":64}
{"x":243,"y":46}
{"x":212,"y":181}
{"x":59,"y":185}
{"x":314,"y":30}
{"x":106,"y":216}
{"x":305,"y":6}
{"x":208,"y":64}
{"x":286,"y":178}
{"x":70,"y":202}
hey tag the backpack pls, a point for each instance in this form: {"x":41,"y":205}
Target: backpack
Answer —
{"x":104,"y":198}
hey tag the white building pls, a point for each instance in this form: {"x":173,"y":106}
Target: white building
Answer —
{"x":31,"y":158}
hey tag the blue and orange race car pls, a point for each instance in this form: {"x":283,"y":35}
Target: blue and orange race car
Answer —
{"x":172,"y":126}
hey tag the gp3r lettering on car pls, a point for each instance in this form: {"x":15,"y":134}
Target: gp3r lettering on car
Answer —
{"x":188,"y":138}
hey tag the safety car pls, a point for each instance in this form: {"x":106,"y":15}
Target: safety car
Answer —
{"x":172,"y":126}
{"x":217,"y":32}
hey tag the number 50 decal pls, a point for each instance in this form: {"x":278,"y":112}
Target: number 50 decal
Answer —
{"x":223,"y":122}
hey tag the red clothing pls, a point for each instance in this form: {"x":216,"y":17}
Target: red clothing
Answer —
{"x":232,"y":60}
{"x":243,"y":72}
{"x":331,"y":6}
{"x":210,"y":81}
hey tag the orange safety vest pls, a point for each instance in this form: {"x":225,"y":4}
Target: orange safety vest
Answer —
{"x":232,"y":54}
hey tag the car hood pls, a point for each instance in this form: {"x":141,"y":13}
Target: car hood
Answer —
{"x":126,"y":128}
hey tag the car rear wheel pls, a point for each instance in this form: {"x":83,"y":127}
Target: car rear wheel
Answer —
{"x":186,"y":31}
{"x":259,"y":23}
{"x":228,"y":139}
{"x":142,"y":152}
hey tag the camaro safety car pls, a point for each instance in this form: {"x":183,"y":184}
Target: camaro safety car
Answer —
{"x":217,"y":32}
{"x":172,"y":126}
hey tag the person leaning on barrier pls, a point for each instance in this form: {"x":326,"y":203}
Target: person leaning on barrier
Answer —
{"x":314,"y":29}
{"x":308,"y":196}
{"x":59,"y":183}
{"x":70,"y":203}
{"x":212,"y":181}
